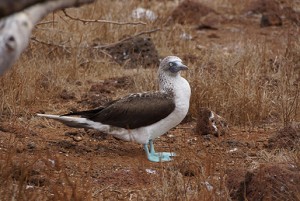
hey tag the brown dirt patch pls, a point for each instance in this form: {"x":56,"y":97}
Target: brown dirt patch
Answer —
{"x":291,"y":15}
{"x":191,"y":12}
{"x":270,"y":19}
{"x":274,"y":182}
{"x":93,"y":100}
{"x":263,"y":6}
{"x":274,"y":10}
{"x":286,"y":138}
{"x":135,"y":52}
{"x":235,"y":181}
{"x":268,"y":182}
{"x":66,"y":95}
{"x":102,"y":91}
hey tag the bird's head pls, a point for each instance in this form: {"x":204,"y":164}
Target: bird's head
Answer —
{"x":171,"y":65}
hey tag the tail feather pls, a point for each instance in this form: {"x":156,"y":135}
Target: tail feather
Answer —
{"x":87,"y":114}
{"x":75,"y":122}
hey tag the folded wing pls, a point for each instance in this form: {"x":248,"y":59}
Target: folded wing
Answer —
{"x":133,"y":111}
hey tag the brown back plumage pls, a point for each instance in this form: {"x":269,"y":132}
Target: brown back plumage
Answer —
{"x":133,"y":111}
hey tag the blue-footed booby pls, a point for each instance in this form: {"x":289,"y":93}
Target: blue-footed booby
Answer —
{"x":141,"y":117}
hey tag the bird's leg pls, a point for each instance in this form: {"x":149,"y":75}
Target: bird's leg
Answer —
{"x":151,"y":157}
{"x":151,"y":147}
{"x":157,"y":156}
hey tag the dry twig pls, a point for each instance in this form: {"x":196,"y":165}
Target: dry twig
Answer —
{"x":103,"y":21}
{"x":51,"y":44}
{"x":128,"y":38}
{"x":46,"y":22}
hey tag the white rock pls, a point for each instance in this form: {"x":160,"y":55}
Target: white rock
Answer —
{"x":150,"y":171}
{"x":140,"y":13}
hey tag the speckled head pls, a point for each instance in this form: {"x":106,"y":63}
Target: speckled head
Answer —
{"x":171,"y":65}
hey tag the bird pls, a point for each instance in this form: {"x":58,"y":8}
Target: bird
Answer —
{"x":141,"y":117}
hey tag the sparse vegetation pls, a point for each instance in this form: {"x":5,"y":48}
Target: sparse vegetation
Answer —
{"x":247,"y":74}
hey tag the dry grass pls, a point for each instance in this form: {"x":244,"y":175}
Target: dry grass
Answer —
{"x":251,"y":81}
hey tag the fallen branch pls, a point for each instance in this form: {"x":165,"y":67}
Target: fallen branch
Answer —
{"x":63,"y":46}
{"x":8,"y":7}
{"x":16,"y":29}
{"x":103,"y":21}
{"x":128,"y":38}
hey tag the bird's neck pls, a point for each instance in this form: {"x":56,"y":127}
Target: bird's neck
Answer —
{"x":166,"y":83}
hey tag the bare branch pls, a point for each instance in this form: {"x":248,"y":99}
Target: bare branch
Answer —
{"x":63,"y":46}
{"x":46,"y":22}
{"x":8,"y":7}
{"x":37,"y":12}
{"x":104,"y":21}
{"x":15,"y":30}
{"x":128,"y":38}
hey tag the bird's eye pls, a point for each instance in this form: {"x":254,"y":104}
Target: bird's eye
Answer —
{"x":171,"y":64}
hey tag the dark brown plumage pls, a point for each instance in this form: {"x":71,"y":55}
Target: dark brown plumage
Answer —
{"x":128,"y":113}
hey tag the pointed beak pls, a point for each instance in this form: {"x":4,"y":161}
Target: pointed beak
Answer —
{"x":183,"y":67}
{"x":178,"y":67}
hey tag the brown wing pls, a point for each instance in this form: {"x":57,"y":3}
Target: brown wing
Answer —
{"x":135,"y":111}
{"x":89,"y":113}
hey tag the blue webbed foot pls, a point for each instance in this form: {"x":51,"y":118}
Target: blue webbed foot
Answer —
{"x":157,"y":156}
{"x":164,"y":156}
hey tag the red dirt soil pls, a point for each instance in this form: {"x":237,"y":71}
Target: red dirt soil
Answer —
{"x":50,"y":161}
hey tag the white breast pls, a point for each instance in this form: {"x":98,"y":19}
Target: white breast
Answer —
{"x":182,"y":94}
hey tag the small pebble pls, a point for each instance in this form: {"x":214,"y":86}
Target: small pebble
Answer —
{"x":31,"y":145}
